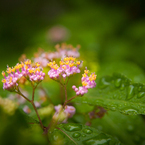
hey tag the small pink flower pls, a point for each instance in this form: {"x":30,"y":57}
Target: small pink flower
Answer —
{"x":69,"y":111}
{"x":68,"y":66}
{"x":87,"y":82}
{"x":10,"y":82}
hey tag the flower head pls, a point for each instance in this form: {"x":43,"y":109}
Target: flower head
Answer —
{"x":87,"y":82}
{"x":26,"y":69}
{"x":61,"y":52}
{"x":68,"y":66}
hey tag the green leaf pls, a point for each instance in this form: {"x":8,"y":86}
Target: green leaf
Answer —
{"x":77,"y":134}
{"x":129,"y":129}
{"x":117,"y":93}
{"x":129,"y":69}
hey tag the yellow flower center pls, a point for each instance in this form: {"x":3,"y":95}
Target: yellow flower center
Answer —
{"x":71,"y":64}
{"x":3,"y":73}
{"x":56,"y":67}
{"x":84,"y":75}
{"x":9,"y":70}
{"x":4,"y":81}
{"x":84,"y":83}
{"x":10,"y":80}
{"x":64,"y":67}
{"x":86,"y":71}
{"x":92,"y":77}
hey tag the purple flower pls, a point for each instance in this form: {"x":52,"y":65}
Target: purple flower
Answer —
{"x":87,"y":82}
{"x":68,"y":66}
{"x":32,"y":73}
{"x":66,"y":113}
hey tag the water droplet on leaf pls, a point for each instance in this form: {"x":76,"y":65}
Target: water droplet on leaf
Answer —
{"x":122,"y":87}
{"x":140,"y":94}
{"x":130,"y":111}
{"x":118,"y":82}
{"x":72,"y":127}
{"x":113,"y":108}
{"x":114,"y":96}
{"x":103,"y":83}
{"x":76,"y":135}
{"x":130,"y":92}
{"x":101,"y":139}
{"x":87,"y":131}
{"x":139,"y":88}
{"x":83,"y":135}
{"x":58,"y":137}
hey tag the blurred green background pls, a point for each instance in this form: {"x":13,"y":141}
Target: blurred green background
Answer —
{"x":109,"y":30}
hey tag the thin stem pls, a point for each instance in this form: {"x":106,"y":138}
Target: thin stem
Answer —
{"x":61,"y":93}
{"x":33,"y":91}
{"x":18,"y":92}
{"x":37,"y":114}
{"x":65,"y":93}
{"x":32,"y":102}
{"x":68,"y":101}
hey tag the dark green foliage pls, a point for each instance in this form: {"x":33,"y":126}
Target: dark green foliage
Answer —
{"x":78,"y":134}
{"x":117,"y":93}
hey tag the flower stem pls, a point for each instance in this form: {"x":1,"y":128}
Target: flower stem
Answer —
{"x":18,"y":92}
{"x":68,"y":101}
{"x":32,"y":102}
{"x":37,"y":114}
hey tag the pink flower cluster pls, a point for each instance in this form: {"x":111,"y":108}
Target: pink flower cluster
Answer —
{"x":87,"y":82}
{"x":62,"y":51}
{"x":31,"y":73}
{"x":69,"y":111}
{"x":68,"y":66}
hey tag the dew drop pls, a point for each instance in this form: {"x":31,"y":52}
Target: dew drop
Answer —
{"x":87,"y":131}
{"x":101,"y":139}
{"x":113,"y":108}
{"x":130,"y":92}
{"x":72,"y":127}
{"x":139,"y":88}
{"x":122,"y":87}
{"x":103,"y":83}
{"x":83,"y":135}
{"x":78,"y":139}
{"x":76,"y":135}
{"x":114,"y":96}
{"x":130,"y":111}
{"x":57,"y":136}
{"x":140,"y":94}
{"x":118,"y":82}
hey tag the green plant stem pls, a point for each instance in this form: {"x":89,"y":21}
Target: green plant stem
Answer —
{"x":18,"y":92}
{"x":37,"y":114}
{"x":68,"y":101}
{"x":65,"y":93}
{"x":33,"y":91}
{"x":32,"y":102}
